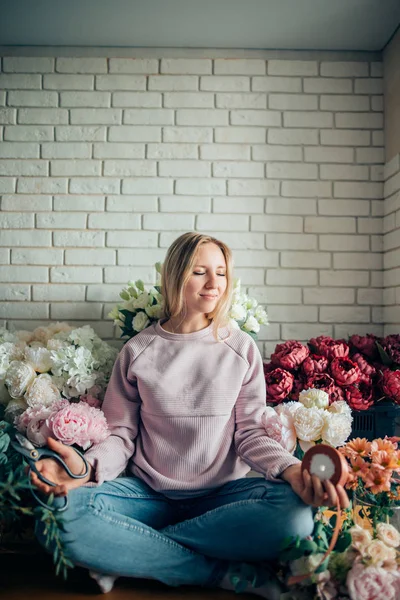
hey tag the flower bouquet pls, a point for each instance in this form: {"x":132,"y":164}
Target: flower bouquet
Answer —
{"x":364,"y":565}
{"x":52,"y":383}
{"x":140,"y":308}
{"x":374,"y":469}
{"x":311,"y":420}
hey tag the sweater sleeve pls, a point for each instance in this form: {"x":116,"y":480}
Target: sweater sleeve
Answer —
{"x":253,"y":445}
{"x":121,"y":407}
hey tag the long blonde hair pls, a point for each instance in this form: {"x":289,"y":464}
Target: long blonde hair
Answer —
{"x":176,"y":270}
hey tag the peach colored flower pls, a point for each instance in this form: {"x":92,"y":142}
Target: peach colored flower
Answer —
{"x":378,"y":552}
{"x":384,"y":460}
{"x":377,"y":480}
{"x":357,"y":447}
{"x":388,"y":534}
{"x":382,"y":444}
{"x":360,"y":538}
{"x":358,"y":465}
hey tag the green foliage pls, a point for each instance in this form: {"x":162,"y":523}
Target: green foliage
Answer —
{"x":17,"y":505}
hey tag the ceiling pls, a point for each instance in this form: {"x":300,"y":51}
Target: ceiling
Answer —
{"x":250,"y":24}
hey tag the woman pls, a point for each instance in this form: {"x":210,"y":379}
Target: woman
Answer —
{"x":184,"y":406}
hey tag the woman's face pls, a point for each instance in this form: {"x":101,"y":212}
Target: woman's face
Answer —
{"x":207,"y":283}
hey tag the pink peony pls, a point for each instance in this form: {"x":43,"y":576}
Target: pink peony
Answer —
{"x":390,"y":383}
{"x":279,"y":385}
{"x":359,"y":397}
{"x":279,"y":425}
{"x":314,"y":364}
{"x":365,"y":344}
{"x":326,"y":346}
{"x":371,"y":583}
{"x":344,"y":371}
{"x":91,"y":400}
{"x":79,"y":423}
{"x":33,"y":422}
{"x":289,"y":355}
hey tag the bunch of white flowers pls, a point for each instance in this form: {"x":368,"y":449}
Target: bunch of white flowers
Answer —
{"x":141,"y":307}
{"x":40,"y":368}
{"x":299,"y":425}
{"x":245,"y":312}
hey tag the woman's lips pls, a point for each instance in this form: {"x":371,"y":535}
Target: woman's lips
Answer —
{"x":208,"y":296}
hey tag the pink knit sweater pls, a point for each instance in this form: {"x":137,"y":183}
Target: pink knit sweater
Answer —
{"x":184,"y":412}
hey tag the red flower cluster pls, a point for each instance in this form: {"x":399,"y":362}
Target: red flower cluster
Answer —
{"x":356,"y":370}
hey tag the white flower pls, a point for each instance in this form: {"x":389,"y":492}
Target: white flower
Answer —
{"x":238,"y":312}
{"x":140,"y":321}
{"x":251,"y":304}
{"x":39,"y":358}
{"x":141,"y":301}
{"x":360,"y":538}
{"x":9,"y":351}
{"x":341,"y":407}
{"x":388,"y":534}
{"x":7,"y":336}
{"x":379,"y":553}
{"x":154,"y":312}
{"x":78,"y":384}
{"x":279,"y":425}
{"x":251,"y":324}
{"x":42,"y":391}
{"x":83,"y":336}
{"x":234,"y":324}
{"x":114,"y":314}
{"x":309,"y":423}
{"x":306,"y":564}
{"x":261,"y":315}
{"x":336,"y":429}
{"x":14,"y":409}
{"x":18,"y":378}
{"x":314,"y":398}
{"x":42,"y":335}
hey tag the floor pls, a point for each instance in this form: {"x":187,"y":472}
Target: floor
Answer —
{"x":31,"y":575}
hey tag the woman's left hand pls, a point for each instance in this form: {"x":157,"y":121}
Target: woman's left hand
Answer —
{"x":312,"y":490}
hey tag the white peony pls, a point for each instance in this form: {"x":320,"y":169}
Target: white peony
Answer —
{"x":388,"y":534}
{"x":341,"y":407}
{"x":42,"y":391}
{"x":314,"y":398}
{"x":378,"y":553}
{"x":360,"y":538}
{"x":140,"y":321}
{"x":336,"y":429}
{"x":154,"y":312}
{"x":39,"y":357}
{"x":309,"y":423}
{"x":251,"y":324}
{"x":8,"y":352}
{"x":238,"y":312}
{"x":19,"y":377}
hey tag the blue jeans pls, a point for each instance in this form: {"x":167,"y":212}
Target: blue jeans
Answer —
{"x":124,"y":527}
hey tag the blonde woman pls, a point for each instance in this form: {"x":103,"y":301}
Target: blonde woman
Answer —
{"x":184,"y":407}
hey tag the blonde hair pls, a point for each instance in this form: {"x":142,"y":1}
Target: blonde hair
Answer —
{"x":178,"y":267}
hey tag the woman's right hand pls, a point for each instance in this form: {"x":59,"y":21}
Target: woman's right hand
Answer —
{"x":53,"y":470}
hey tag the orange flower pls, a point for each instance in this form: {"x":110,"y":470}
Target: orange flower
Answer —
{"x":357,"y":447}
{"x":385,"y":460}
{"x":377,"y":480}
{"x":358,"y":465}
{"x":382,"y":444}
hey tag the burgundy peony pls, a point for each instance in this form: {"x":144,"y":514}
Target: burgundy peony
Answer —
{"x":390,"y":383}
{"x":279,"y":385}
{"x":289,"y":355}
{"x":365,"y":344}
{"x":329,"y":347}
{"x":359,"y":397}
{"x":314,"y":364}
{"x":298,"y":386}
{"x":344,"y":371}
{"x":391,"y":345}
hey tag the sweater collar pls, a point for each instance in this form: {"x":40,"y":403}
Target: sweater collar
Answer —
{"x":195,"y":335}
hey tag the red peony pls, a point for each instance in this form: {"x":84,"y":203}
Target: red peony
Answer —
{"x":390,"y":383}
{"x":365,"y":344}
{"x":368,"y":371}
{"x":345,"y":371}
{"x":359,"y":397}
{"x":314,"y":364}
{"x":391,"y":345}
{"x":322,"y":381}
{"x":289,"y":355}
{"x":279,"y":385}
{"x":329,"y":347}
{"x":298,"y":386}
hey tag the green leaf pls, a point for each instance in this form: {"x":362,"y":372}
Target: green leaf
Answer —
{"x":308,"y":546}
{"x":385,"y":358}
{"x":291,"y":554}
{"x":343,"y":542}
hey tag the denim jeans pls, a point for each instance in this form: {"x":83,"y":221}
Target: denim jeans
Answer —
{"x":124,"y":527}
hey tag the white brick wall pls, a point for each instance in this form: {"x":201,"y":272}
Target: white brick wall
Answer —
{"x":105,"y":161}
{"x":391,"y":245}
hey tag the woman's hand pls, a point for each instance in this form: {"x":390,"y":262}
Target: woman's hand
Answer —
{"x":53,"y":471}
{"x":312,"y":490}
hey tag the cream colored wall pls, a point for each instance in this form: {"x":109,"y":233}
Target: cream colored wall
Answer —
{"x":391,"y":57}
